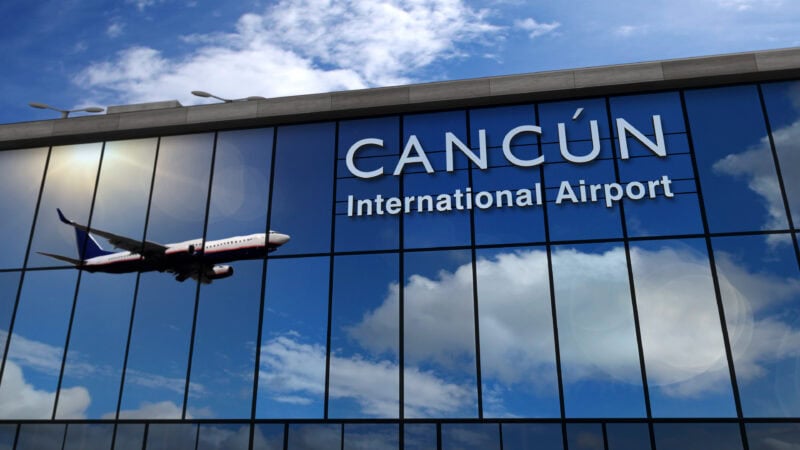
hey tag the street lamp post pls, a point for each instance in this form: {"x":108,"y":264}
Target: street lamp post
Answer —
{"x":205,"y":94}
{"x":65,"y":112}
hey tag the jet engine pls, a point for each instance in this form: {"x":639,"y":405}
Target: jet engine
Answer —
{"x":218,"y":272}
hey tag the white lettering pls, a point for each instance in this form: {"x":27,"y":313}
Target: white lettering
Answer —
{"x":612,"y":197}
{"x":507,"y":146}
{"x":562,"y":141}
{"x":406,"y":158}
{"x":565,"y":191}
{"x":351,"y":153}
{"x":452,"y":141}
{"x":658,"y":147}
{"x":483,"y":200}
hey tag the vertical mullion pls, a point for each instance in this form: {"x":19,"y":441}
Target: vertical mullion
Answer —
{"x":136,"y":287}
{"x":24,"y":265}
{"x":401,"y":293}
{"x":264,"y":266}
{"x":714,"y":277}
{"x":200,"y":274}
{"x":551,"y":287}
{"x":778,"y":173}
{"x":77,"y":283}
{"x":330,"y":277}
{"x":631,"y":284}
{"x":473,"y":253}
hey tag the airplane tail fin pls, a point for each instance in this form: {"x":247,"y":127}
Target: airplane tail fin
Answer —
{"x":87,"y":245}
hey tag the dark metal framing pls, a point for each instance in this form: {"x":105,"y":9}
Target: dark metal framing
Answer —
{"x":401,"y":250}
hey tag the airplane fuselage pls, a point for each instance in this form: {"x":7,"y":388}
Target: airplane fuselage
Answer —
{"x":253,"y":246}
{"x":196,"y":259}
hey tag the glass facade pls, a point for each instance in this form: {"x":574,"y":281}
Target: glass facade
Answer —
{"x":616,"y":272}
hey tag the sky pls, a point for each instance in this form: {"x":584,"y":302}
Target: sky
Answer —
{"x":78,"y":53}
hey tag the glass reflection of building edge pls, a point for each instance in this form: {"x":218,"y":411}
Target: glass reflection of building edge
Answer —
{"x":667,"y":322}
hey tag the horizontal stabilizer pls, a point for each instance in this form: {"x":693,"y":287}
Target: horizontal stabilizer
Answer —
{"x":72,"y":261}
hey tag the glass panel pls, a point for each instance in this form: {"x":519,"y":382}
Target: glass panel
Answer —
{"x":365,"y":371}
{"x":301,"y":199}
{"x":69,"y":185}
{"x":697,"y":436}
{"x":596,"y":332}
{"x":661,"y":215}
{"x":419,"y":436}
{"x":227,"y":318}
{"x":439,"y":372}
{"x":773,"y":436}
{"x":31,"y":373}
{"x":687,"y":369}
{"x":371,"y":437}
{"x":572,"y":204}
{"x":97,"y":344}
{"x":268,"y":436}
{"x":103,"y":309}
{"x":376,"y":231}
{"x":89,"y":436}
{"x":171,"y":436}
{"x":737,"y":172}
{"x":437,"y":228}
{"x":569,"y":211}
{"x":628,"y":436}
{"x":511,"y":223}
{"x":760,"y":292}
{"x":155,"y":380}
{"x":129,"y":436}
{"x":783,"y":109}
{"x":585,"y":436}
{"x":291,"y":379}
{"x":40,"y":436}
{"x":472,"y":436}
{"x":223,"y":437}
{"x":669,"y":205}
{"x":21,"y":174}
{"x":315,"y":437}
{"x":541,"y":436}
{"x":9,"y":285}
{"x":515,"y":319}
{"x":8,"y":434}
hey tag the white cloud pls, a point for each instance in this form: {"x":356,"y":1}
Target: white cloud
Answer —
{"x":21,"y":400}
{"x":534,"y":28}
{"x":683,"y":349}
{"x":756,"y":166}
{"x":294,"y":372}
{"x":346,"y":44}
{"x":595,"y":319}
{"x":629,"y":30}
{"x":115,"y":29}
{"x":141,"y":5}
{"x":150,"y":410}
{"x":746,"y":5}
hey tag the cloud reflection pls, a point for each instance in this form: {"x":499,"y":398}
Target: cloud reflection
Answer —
{"x":680,"y":328}
{"x":756,"y":165}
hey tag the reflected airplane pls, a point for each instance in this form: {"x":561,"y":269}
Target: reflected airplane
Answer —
{"x":188,"y":259}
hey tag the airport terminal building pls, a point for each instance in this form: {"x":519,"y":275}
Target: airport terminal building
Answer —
{"x":592,"y":259}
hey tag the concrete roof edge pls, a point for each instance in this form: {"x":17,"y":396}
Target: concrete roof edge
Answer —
{"x":768,"y":65}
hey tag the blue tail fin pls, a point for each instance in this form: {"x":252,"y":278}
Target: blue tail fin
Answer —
{"x":87,"y":246}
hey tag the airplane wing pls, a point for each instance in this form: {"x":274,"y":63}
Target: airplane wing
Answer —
{"x":146,"y":248}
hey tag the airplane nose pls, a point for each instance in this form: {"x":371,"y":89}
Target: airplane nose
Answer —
{"x":278,"y":238}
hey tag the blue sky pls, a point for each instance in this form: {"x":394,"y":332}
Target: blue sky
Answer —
{"x":74,"y":53}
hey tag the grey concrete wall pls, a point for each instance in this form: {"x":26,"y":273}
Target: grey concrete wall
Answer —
{"x":169,"y":117}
